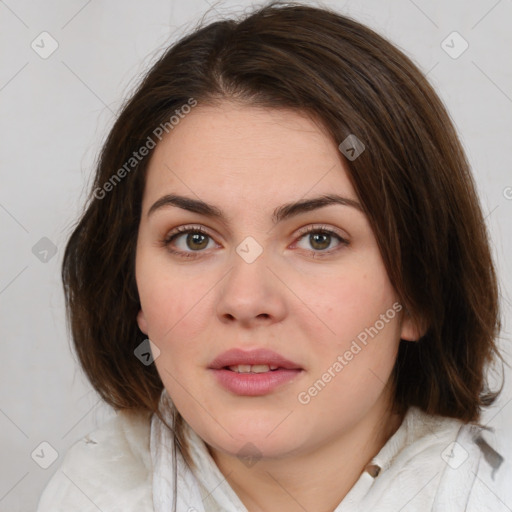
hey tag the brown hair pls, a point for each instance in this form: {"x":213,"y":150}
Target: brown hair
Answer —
{"x":413,"y":181}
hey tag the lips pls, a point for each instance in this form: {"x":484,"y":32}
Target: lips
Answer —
{"x":236,"y":357}
{"x":253,"y":373}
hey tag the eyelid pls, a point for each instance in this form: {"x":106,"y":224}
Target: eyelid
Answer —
{"x":186,"y":228}
{"x":321,"y":227}
{"x":305,"y":229}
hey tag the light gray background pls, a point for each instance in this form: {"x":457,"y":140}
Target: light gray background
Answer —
{"x":56,"y":111}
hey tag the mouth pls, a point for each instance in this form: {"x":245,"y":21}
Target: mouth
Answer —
{"x":253,"y":361}
{"x":253,"y":373}
{"x":252,"y":368}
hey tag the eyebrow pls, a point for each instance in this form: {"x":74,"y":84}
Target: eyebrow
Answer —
{"x":281,"y":213}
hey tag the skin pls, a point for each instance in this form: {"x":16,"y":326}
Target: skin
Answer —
{"x":248,"y":161}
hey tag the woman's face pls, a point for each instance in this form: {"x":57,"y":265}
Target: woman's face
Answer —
{"x":254,"y":279}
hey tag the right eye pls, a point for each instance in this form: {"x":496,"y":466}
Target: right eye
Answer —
{"x":192,"y":244}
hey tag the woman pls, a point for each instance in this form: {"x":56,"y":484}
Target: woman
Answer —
{"x":283,"y":284}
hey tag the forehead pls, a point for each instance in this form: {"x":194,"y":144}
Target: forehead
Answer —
{"x":256,"y":152}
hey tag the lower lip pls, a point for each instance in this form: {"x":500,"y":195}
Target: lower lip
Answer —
{"x":254,"y":384}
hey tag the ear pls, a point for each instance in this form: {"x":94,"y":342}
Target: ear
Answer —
{"x":141,"y":321}
{"x":412,"y":329}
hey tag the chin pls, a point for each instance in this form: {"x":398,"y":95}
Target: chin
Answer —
{"x":254,"y":443}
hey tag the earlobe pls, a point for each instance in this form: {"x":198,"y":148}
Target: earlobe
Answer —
{"x":141,"y":321}
{"x":411,"y":329}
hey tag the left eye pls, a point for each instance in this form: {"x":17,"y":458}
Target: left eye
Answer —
{"x":320,"y":239}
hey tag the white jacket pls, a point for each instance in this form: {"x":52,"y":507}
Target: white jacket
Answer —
{"x":429,"y":464}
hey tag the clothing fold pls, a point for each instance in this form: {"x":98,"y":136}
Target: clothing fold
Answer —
{"x":430,"y":463}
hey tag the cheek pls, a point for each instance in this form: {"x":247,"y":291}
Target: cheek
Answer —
{"x":351,"y":374}
{"x":361,"y":333}
{"x":345,"y":302}
{"x":173,"y":303}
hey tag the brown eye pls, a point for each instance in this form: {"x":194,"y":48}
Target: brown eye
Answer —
{"x":320,"y":240}
{"x":196,"y":241}
{"x":186,"y":241}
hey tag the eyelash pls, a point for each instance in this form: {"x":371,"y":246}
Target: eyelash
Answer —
{"x":166,"y":242}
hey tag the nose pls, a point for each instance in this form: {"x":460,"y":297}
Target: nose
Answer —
{"x":251,"y":294}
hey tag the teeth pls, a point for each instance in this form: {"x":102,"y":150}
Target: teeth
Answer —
{"x":254,"y":368}
{"x":243,"y":368}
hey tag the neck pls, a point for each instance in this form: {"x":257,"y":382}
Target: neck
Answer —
{"x":315,"y":479}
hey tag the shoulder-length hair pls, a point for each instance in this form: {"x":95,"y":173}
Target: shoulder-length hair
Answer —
{"x":413,"y":181}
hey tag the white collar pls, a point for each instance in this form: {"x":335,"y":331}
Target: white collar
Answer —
{"x":414,"y":455}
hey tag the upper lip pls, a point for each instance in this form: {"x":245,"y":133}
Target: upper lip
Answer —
{"x":237,"y":356}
